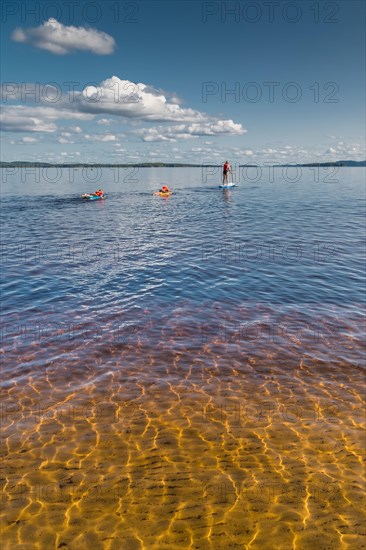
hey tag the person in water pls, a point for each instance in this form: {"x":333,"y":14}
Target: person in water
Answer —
{"x":225,"y":172}
{"x":164,"y":189}
{"x":99,"y":193}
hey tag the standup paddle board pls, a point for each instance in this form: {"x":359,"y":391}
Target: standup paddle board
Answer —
{"x":227,"y":185}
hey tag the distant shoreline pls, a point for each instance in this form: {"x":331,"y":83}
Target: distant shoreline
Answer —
{"x":25,"y":164}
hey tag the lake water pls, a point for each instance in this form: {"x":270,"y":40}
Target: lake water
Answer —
{"x":183,"y":372}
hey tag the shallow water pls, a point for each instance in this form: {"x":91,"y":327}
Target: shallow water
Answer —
{"x":182,"y":372}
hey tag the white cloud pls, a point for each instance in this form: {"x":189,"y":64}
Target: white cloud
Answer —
{"x":100,"y":137}
{"x":75,"y":129}
{"x":217,"y":127}
{"x":188,"y":131}
{"x":140,"y":101}
{"x":27,"y":139}
{"x":121,"y":98}
{"x":21,"y":118}
{"x":15,"y":121}
{"x":344,"y":151}
{"x":105,"y":121}
{"x":65,"y":138}
{"x":60,"y":39}
{"x":128,"y":99}
{"x":268,"y":151}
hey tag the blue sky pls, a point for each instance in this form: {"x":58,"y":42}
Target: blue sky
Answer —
{"x":151,"y":81}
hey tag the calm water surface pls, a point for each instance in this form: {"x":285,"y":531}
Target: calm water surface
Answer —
{"x":182,"y":372}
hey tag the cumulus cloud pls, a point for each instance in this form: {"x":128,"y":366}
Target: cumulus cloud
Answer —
{"x":105,"y":121}
{"x":75,"y":129}
{"x":65,"y":138}
{"x":344,"y":151}
{"x":60,"y":39}
{"x":188,"y":131}
{"x":20,"y":118}
{"x":101,"y":137}
{"x":268,"y":151}
{"x":15,"y":121}
{"x":131,"y":102}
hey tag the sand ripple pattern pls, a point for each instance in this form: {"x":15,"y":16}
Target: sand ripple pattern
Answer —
{"x":155,"y":443}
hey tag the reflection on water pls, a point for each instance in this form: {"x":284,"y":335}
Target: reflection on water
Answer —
{"x":226,"y":194}
{"x":184,"y":373}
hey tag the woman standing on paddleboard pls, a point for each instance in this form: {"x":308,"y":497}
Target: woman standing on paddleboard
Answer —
{"x":226,"y":170}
